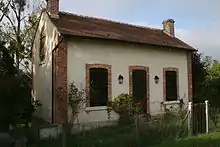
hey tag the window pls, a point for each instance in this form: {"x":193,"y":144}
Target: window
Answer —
{"x":98,"y":84}
{"x":98,"y":87}
{"x":171,"y":85}
{"x":42,"y":45}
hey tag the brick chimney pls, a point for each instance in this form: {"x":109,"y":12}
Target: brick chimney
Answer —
{"x":168,"y":27}
{"x":53,"y":7}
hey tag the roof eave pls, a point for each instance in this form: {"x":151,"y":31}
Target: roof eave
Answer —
{"x":128,"y":41}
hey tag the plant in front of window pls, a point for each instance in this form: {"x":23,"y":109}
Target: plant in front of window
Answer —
{"x":124,"y":106}
{"x":172,"y":111}
{"x":76,"y":100}
{"x":174,"y":120}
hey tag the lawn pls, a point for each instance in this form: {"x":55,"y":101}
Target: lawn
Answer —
{"x":127,"y":136}
{"x":205,"y":140}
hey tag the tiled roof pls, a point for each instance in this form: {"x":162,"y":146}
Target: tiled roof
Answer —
{"x":76,"y":25}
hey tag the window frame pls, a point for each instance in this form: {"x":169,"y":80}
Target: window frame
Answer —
{"x":139,"y":67}
{"x":164,"y":83}
{"x":42,"y":49}
{"x":104,"y":66}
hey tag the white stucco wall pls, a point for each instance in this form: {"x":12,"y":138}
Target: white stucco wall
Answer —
{"x":42,"y":71}
{"x":120,"y":57}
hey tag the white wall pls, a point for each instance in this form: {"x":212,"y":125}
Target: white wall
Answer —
{"x":120,"y":57}
{"x":42,"y":78}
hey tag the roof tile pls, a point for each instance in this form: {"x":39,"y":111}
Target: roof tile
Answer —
{"x":72,"y":24}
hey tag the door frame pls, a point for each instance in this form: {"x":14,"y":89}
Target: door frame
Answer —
{"x":145,"y":68}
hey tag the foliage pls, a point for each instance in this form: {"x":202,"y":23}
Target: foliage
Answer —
{"x":6,"y":61}
{"x":109,"y":137}
{"x":214,"y":117}
{"x":199,"y":73}
{"x":173,"y":116}
{"x":124,"y":106}
{"x":15,"y":90}
{"x":121,"y":136}
{"x":211,"y":84}
{"x":206,"y":79}
{"x":18,"y":28}
{"x":76,"y":98}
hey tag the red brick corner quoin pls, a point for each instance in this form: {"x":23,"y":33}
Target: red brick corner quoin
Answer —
{"x":164,"y":80}
{"x":189,"y":69}
{"x":131,"y":68}
{"x":60,"y":87}
{"x":105,"y":66}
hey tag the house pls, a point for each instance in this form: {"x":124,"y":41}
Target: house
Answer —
{"x":150,"y":64}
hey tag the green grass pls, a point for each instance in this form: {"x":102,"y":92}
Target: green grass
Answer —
{"x":126,"y":136}
{"x":166,"y":133}
{"x":128,"y":140}
{"x":205,"y":140}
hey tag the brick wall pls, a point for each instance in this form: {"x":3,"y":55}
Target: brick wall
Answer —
{"x":60,"y":83}
{"x":189,"y":68}
{"x":53,"y":7}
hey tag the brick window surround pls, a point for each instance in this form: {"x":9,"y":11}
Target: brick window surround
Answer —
{"x":164,"y":80}
{"x":109,"y":69}
{"x":132,"y":68}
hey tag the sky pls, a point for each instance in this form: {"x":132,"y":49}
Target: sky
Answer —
{"x":197,"y":22}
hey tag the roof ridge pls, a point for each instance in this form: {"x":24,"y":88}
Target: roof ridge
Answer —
{"x":112,"y":21}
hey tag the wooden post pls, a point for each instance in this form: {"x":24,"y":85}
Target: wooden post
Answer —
{"x":190,"y":119}
{"x":207,"y":115}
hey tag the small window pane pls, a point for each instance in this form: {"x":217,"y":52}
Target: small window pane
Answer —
{"x":98,"y":87}
{"x":171,"y":85}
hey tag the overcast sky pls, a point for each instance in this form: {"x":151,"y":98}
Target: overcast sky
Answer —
{"x":197,"y":22}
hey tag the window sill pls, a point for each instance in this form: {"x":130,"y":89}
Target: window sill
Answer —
{"x":171,"y":102}
{"x":97,"y":108}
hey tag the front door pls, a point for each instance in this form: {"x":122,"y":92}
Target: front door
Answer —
{"x":139,"y":88}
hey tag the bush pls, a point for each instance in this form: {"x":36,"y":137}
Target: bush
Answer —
{"x":76,"y":98}
{"x":124,"y":106}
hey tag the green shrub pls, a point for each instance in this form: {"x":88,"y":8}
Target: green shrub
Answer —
{"x":76,"y":101}
{"x":124,"y":106}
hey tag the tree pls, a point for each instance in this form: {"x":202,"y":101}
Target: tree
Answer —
{"x":212,"y":84}
{"x":15,"y":91}
{"x":198,"y":73}
{"x":3,"y":8}
{"x":206,"y":79}
{"x":18,"y":28}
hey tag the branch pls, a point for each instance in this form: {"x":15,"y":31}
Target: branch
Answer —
{"x":13,"y":25}
{"x":7,"y":34}
{"x":4,"y":12}
{"x":28,"y":69}
{"x":22,"y":18}
{"x":27,"y":31}
{"x":13,"y":7}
